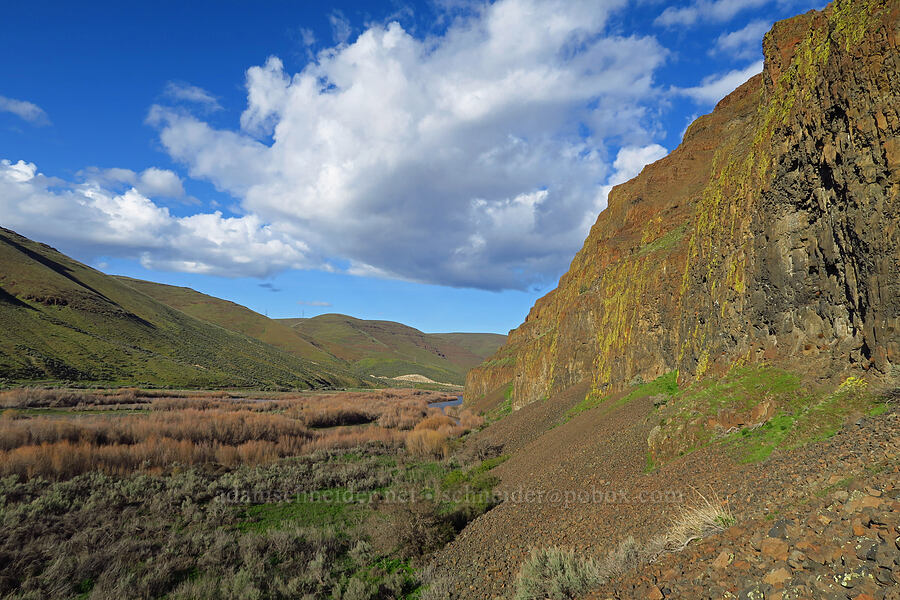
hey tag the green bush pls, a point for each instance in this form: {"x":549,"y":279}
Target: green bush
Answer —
{"x":556,"y":574}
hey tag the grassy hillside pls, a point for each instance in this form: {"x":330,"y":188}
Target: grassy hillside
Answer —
{"x":482,"y":345}
{"x":388,"y":349}
{"x":377,"y":348}
{"x":61,"y":320}
{"x":232,"y":316}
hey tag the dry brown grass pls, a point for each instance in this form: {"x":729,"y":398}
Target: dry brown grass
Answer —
{"x":427,"y":443}
{"x":436,"y":422}
{"x":707,"y":516}
{"x":214,"y":428}
{"x":470,"y":420}
{"x":60,"y":398}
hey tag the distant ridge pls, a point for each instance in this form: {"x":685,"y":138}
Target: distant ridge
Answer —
{"x":62,"y":321}
{"x":389,"y":349}
{"x":382,"y":349}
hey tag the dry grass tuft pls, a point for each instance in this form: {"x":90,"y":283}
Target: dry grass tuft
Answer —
{"x":710,"y":515}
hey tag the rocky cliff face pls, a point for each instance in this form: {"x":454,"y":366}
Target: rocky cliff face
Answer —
{"x":770,"y":234}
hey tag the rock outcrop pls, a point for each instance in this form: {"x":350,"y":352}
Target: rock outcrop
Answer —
{"x":769,"y":234}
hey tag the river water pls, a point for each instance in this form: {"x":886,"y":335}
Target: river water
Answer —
{"x":446,"y":403}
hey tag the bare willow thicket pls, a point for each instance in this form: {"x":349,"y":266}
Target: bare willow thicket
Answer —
{"x":191,"y":429}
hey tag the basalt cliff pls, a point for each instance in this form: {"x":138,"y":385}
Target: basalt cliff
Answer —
{"x":769,"y":235}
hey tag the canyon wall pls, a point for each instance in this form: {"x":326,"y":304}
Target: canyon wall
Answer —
{"x":769,"y":234}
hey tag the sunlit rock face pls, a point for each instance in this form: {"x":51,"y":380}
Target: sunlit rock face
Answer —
{"x":769,"y":234}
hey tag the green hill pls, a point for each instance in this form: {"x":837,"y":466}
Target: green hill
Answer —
{"x":235,"y":317}
{"x":366,"y":348}
{"x":389,"y":349}
{"x":61,"y":320}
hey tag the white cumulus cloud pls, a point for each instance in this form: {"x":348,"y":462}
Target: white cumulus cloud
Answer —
{"x":470,"y":159}
{"x":91,"y":220}
{"x":715,"y":87}
{"x":160,"y":182}
{"x":629,"y":162}
{"x":745,"y":42}
{"x":150,"y":182}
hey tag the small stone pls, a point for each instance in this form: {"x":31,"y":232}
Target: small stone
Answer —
{"x":774,"y":548}
{"x":885,"y":556}
{"x":779,"y":529}
{"x":723,"y":560}
{"x":796,"y":559}
{"x":866,"y":549}
{"x":777,"y":577}
{"x":862,"y":502}
{"x":884,"y":576}
{"x":655,"y":593}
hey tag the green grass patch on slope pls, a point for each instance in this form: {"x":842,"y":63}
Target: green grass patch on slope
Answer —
{"x":503,"y":408}
{"x":801,"y":413}
{"x":665,"y":385}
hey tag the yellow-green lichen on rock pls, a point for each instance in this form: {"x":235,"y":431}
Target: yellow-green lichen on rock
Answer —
{"x":770,"y":234}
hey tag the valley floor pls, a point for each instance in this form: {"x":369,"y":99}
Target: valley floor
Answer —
{"x":585,"y":485}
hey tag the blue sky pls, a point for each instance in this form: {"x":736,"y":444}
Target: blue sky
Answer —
{"x":436,"y":163}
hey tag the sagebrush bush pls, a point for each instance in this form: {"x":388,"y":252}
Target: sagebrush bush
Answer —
{"x":556,"y":574}
{"x":627,"y":556}
{"x":417,"y":528}
{"x":148,"y":536}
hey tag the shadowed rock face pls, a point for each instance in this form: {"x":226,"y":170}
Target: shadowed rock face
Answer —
{"x":769,"y":234}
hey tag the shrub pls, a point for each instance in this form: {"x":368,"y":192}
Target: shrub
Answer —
{"x":556,"y":574}
{"x":628,"y":556}
{"x":436,"y":589}
{"x":427,"y":443}
{"x":417,"y":528}
{"x":435,"y":422}
{"x":485,"y":449}
{"x":470,"y":420}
